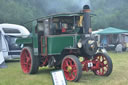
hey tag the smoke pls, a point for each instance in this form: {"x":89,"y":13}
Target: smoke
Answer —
{"x":61,"y":6}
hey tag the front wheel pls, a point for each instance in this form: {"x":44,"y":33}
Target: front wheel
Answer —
{"x":72,"y":68}
{"x":29,"y":62}
{"x":104,"y":64}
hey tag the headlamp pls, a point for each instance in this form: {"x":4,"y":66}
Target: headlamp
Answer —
{"x":79,"y":44}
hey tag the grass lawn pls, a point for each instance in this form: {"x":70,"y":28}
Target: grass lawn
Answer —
{"x":13,"y":75}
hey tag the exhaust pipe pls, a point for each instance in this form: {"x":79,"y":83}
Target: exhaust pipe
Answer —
{"x":86,"y":19}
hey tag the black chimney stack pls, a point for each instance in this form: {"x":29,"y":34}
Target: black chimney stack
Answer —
{"x":87,"y":19}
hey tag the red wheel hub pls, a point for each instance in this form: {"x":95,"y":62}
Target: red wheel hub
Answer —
{"x":70,"y":69}
{"x":25,"y":60}
{"x":101,"y":64}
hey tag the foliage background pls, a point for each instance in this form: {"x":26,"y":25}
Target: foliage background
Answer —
{"x":108,"y":12}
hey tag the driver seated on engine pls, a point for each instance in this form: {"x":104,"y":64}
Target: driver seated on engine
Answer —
{"x":64,"y":28}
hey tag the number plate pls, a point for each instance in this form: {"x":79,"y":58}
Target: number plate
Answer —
{"x":90,"y":64}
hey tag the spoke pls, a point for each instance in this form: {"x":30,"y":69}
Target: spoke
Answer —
{"x":66,"y":63}
{"x":24,"y":63}
{"x":66,"y":71}
{"x":73,"y":68}
{"x":70,"y":62}
{"x":103,"y":61}
{"x":105,"y":65}
{"x":74,"y":71}
{"x":66,"y":75}
{"x":99,"y":58}
{"x":97,"y":72}
{"x":26,"y":68}
{"x":103,"y":71}
{"x":73,"y":76}
{"x":65,"y":68}
{"x":25,"y":53}
{"x":28,"y":60}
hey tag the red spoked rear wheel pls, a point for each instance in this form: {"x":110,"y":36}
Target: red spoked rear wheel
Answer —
{"x":29,"y":63}
{"x":103,"y":64}
{"x":72,"y":68}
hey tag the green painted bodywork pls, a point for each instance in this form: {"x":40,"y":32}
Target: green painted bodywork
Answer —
{"x":57,"y":43}
{"x":35,"y":38}
{"x":24,"y":41}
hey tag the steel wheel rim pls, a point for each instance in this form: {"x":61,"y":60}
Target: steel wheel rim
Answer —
{"x":103,"y":65}
{"x":70,"y":69}
{"x":25,"y":61}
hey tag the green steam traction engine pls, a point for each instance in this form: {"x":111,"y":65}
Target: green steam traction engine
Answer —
{"x":64,"y":41}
